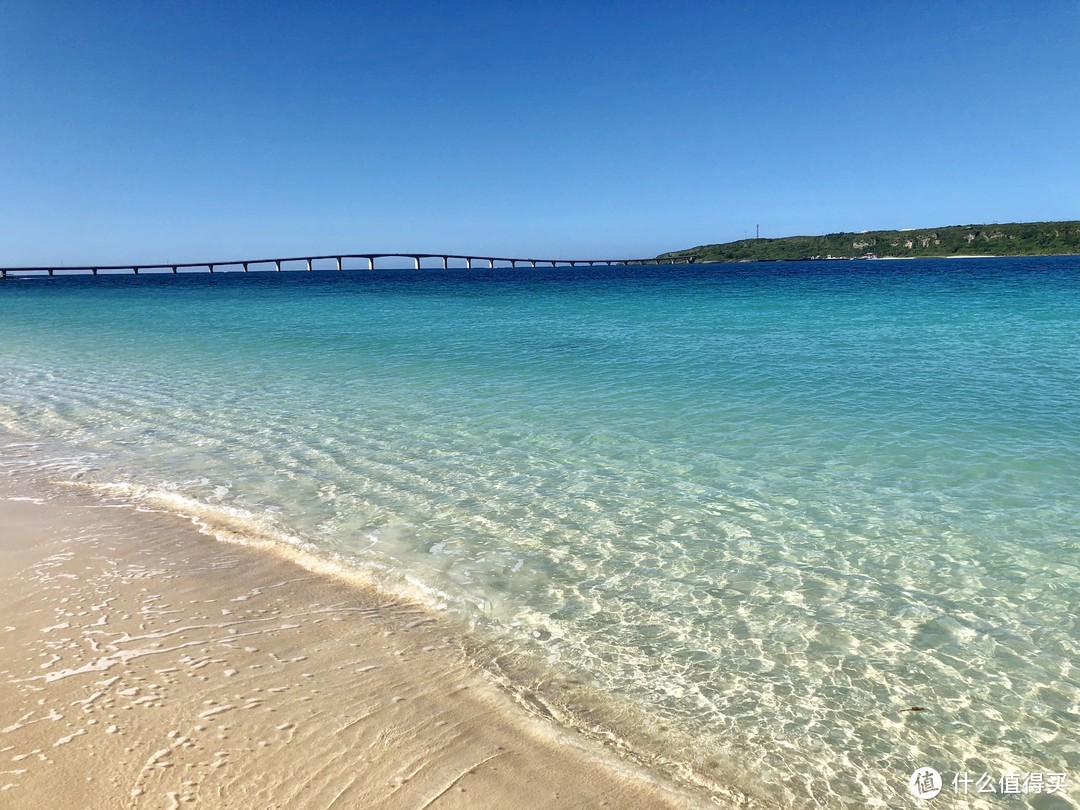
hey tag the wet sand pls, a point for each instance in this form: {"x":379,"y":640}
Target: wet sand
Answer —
{"x":145,"y":664}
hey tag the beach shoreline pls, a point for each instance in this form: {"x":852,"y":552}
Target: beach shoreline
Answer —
{"x":150,"y":665}
{"x":728,"y":529}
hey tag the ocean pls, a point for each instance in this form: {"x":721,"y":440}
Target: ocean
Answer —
{"x":740,"y":519}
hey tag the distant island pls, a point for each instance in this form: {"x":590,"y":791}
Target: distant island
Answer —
{"x":1009,"y":239}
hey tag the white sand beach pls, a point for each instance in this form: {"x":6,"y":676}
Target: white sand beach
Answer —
{"x":148,"y":665}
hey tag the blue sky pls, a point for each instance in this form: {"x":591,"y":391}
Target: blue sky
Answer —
{"x":185,"y":131}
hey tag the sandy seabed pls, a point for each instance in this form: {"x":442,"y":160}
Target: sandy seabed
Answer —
{"x":145,"y":664}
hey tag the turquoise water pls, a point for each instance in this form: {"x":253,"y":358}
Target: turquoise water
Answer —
{"x":738,"y":516}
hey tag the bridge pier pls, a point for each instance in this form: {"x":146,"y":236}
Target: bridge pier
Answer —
{"x":211,"y":267}
{"x":416,"y":262}
{"x":370,"y":262}
{"x":445,"y":262}
{"x":173,"y":269}
{"x":468,"y":263}
{"x":338,"y":263}
{"x":136,"y":270}
{"x":92,"y":270}
{"x":491,"y":264}
{"x":309,"y":265}
{"x":277,"y":265}
{"x":245,"y":267}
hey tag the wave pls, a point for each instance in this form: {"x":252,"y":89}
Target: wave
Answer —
{"x":229,"y":524}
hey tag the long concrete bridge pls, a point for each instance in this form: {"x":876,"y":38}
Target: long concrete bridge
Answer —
{"x":338,"y":261}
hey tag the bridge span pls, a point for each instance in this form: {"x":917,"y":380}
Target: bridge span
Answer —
{"x":340,"y":261}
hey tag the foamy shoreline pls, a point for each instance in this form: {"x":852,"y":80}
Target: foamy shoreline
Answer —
{"x":147,"y":665}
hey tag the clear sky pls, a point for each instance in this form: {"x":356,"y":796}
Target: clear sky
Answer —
{"x":140,"y":131}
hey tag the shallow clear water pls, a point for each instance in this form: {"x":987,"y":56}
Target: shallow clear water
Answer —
{"x":743,"y":515}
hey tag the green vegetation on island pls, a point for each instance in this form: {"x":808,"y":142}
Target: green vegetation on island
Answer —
{"x":1010,"y":239}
